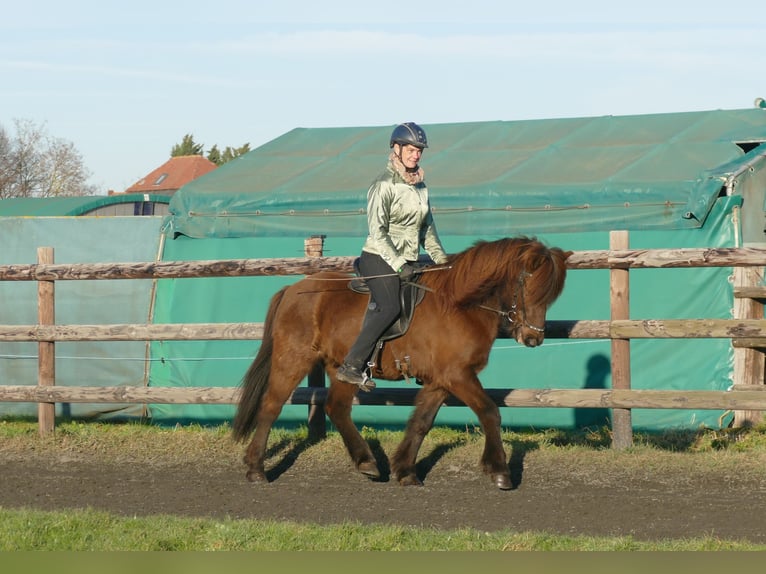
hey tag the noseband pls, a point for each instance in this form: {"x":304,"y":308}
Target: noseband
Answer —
{"x":512,"y":314}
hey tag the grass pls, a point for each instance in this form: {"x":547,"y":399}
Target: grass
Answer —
{"x":576,"y":452}
{"x":90,"y":530}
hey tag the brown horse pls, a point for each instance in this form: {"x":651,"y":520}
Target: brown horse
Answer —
{"x":503,"y":285}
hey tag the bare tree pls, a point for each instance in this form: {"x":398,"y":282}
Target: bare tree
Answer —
{"x":6,"y":164}
{"x":35,"y":164}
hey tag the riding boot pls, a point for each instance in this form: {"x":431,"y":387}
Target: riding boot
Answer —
{"x":355,"y":364}
{"x":382,"y":310}
{"x":349,"y":374}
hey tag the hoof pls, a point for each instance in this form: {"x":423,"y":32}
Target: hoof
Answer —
{"x":410,"y":480}
{"x":256,"y":476}
{"x":502,"y":481}
{"x":369,"y":469}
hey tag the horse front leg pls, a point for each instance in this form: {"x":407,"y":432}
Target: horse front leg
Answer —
{"x":340,"y":397}
{"x":427,"y":403}
{"x":493,"y":459}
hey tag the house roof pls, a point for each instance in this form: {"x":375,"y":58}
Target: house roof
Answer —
{"x":659,"y":171}
{"x":173,"y":174}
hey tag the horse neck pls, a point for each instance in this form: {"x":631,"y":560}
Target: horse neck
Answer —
{"x":472,"y":282}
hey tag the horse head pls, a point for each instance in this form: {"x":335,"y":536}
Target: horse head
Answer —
{"x":536,"y":279}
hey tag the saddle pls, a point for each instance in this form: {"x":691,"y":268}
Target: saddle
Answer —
{"x":410,"y":295}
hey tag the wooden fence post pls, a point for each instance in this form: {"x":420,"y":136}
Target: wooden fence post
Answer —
{"x":619,"y":300}
{"x":749,"y":362}
{"x":314,"y":247}
{"x":46,"y":350}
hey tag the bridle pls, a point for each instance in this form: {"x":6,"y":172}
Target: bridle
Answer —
{"x":512,"y":314}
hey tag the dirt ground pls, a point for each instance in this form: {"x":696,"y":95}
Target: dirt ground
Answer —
{"x":651,"y":498}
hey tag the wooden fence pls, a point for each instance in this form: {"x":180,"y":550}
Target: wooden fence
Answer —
{"x":747,"y":332}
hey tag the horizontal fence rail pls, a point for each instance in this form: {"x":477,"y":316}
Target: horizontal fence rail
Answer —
{"x":737,"y":398}
{"x":615,"y":329}
{"x":744,"y":332}
{"x":598,"y":259}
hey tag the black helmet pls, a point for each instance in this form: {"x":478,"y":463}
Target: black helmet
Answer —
{"x":409,"y":133}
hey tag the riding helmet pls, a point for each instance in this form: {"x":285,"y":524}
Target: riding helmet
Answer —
{"x":409,"y":133}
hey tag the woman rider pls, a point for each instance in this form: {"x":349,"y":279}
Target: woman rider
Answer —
{"x":400,"y":224}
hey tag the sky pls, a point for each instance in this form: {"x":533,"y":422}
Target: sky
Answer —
{"x":126,"y":82}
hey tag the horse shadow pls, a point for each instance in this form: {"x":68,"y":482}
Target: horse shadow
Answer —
{"x":288,"y":450}
{"x":428,"y":462}
{"x":598,"y":369}
{"x":424,"y":466}
{"x":287,"y":460}
{"x":519,"y":450}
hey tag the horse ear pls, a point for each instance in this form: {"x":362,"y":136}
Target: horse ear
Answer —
{"x":567,"y":254}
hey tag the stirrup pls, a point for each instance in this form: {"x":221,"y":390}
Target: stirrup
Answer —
{"x":367,"y":383}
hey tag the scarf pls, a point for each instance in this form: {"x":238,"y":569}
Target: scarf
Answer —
{"x":411,"y":177}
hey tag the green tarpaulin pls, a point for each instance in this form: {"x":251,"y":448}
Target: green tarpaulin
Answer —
{"x":701,"y":364}
{"x":97,"y":363}
{"x":670,"y":179}
{"x":673,"y":180}
{"x":659,"y":171}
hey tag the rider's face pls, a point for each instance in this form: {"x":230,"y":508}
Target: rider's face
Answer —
{"x":410,"y":155}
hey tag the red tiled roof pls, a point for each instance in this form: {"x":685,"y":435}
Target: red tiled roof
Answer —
{"x":173,"y":174}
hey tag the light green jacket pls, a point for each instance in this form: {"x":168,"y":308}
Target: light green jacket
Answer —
{"x":400,"y":221}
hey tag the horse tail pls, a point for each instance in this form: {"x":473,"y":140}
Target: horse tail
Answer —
{"x":256,"y":378}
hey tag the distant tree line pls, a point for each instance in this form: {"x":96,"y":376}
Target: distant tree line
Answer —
{"x":189,"y":147}
{"x":35,"y":164}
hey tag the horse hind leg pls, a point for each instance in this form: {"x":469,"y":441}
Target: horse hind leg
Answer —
{"x":256,"y":451}
{"x":286,"y":374}
{"x":403,"y":464}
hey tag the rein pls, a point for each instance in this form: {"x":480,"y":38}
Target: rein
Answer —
{"x":365,"y":277}
{"x":511,"y":314}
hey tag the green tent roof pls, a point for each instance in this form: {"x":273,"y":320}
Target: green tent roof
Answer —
{"x":69,"y":206}
{"x":661,"y":171}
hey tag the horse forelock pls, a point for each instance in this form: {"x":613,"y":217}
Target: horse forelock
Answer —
{"x":547,"y":267}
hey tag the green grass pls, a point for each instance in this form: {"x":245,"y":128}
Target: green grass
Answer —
{"x":89,"y":530}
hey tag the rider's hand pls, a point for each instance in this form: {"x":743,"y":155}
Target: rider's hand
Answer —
{"x":406,"y":272}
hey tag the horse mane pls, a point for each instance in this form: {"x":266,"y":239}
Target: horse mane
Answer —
{"x":487,"y":266}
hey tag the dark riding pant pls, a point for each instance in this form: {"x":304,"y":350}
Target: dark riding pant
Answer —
{"x":383,"y":309}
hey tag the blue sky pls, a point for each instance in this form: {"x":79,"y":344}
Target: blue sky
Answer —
{"x":125,"y":84}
